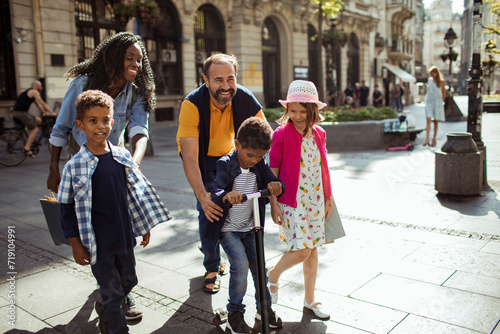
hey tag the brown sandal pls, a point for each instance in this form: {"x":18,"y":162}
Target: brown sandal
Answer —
{"x":214,"y":280}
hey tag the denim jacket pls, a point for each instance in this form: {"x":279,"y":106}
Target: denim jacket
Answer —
{"x":123,"y":113}
{"x":228,"y":168}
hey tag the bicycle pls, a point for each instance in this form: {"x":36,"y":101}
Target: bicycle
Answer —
{"x":12,"y":141}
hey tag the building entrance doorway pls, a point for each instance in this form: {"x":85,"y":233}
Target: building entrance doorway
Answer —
{"x":271,"y":63}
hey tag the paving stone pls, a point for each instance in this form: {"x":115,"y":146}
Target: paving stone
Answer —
{"x":25,"y":323}
{"x":418,"y":325}
{"x":478,"y":225}
{"x":40,"y":288}
{"x":417,"y":271}
{"x":456,"y":307}
{"x":347,"y":311}
{"x":459,"y":259}
{"x":492,"y":247}
{"x":481,"y":284}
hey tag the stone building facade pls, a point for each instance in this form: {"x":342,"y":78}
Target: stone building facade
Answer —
{"x":440,"y":19}
{"x":273,"y":39}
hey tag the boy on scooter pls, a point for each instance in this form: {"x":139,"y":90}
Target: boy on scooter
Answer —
{"x":241,"y":172}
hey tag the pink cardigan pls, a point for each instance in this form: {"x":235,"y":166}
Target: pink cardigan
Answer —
{"x":285,"y":155}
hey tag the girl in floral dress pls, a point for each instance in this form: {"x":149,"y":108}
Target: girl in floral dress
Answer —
{"x":298,"y":158}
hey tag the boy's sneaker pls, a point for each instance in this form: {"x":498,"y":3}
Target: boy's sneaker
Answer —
{"x":274,"y":320}
{"x":103,"y":323}
{"x":131,"y":310}
{"x":236,"y":324}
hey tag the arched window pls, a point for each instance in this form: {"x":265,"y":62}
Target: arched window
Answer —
{"x":95,"y":21}
{"x":271,"y":63}
{"x":164,"y":50}
{"x":353,"y":56}
{"x":313,"y":52}
{"x":210,"y":36}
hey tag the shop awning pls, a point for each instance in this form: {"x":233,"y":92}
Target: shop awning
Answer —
{"x":402,"y":74}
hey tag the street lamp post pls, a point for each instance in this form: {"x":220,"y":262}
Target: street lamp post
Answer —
{"x":449,"y":41}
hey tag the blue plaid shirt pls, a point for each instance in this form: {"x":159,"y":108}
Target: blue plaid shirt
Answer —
{"x":145,"y":208}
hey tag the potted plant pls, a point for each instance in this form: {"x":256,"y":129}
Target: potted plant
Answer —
{"x":379,"y":41}
{"x":123,"y":10}
{"x":336,"y":36}
{"x":145,"y":10}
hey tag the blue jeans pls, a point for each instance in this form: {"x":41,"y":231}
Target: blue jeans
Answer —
{"x":116,"y":277}
{"x":210,"y":246}
{"x":240,"y":250}
{"x":397,"y":105}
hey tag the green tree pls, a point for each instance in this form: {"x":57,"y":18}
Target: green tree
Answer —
{"x":326,"y":9}
{"x":493,"y":28}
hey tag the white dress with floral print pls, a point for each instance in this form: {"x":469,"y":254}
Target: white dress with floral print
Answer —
{"x":304,"y":226}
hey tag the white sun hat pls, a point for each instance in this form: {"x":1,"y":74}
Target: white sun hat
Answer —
{"x":303,"y":92}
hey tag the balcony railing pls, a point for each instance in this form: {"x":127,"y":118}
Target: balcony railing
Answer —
{"x":402,"y":46}
{"x":408,"y":3}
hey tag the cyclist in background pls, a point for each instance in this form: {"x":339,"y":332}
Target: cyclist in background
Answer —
{"x":23,"y":103}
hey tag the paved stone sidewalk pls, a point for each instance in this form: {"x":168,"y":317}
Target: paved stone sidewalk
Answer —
{"x":412,"y":261}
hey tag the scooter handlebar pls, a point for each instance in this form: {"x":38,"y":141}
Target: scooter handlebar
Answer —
{"x":246,"y":197}
{"x":260,"y":193}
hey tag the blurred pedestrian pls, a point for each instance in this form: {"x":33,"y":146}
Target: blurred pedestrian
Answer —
{"x":396,"y":93}
{"x":364,"y":92}
{"x":356,"y":95}
{"x":349,"y":91}
{"x":377,"y":97}
{"x":20,"y":112}
{"x":434,"y":108}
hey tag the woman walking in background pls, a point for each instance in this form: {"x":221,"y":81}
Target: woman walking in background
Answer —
{"x":434,"y":108}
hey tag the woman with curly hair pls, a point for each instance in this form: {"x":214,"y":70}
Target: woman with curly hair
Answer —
{"x":129,"y":82}
{"x":119,"y":67}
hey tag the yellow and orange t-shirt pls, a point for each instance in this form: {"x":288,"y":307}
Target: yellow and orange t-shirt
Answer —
{"x":221,"y":127}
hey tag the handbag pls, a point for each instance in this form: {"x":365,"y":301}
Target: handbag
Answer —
{"x":333,"y":226}
{"x":51,"y":209}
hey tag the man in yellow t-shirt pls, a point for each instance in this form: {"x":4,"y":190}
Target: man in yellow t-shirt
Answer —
{"x":209,"y":118}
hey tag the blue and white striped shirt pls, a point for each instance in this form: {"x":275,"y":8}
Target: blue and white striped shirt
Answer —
{"x":240,"y":216}
{"x":145,"y":208}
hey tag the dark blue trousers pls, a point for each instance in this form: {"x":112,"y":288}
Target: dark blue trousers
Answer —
{"x":116,"y":277}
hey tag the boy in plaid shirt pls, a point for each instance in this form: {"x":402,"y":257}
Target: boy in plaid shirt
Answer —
{"x":105,"y":203}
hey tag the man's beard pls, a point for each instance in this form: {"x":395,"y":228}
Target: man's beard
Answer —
{"x":224,"y":101}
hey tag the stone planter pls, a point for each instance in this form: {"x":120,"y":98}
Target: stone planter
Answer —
{"x":354,"y":136}
{"x":459,"y":166}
